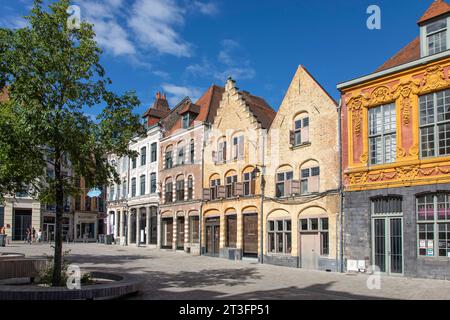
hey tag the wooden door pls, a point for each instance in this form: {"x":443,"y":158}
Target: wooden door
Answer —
{"x":310,"y":250}
{"x":250,"y":234}
{"x":180,"y":233}
{"x":168,"y":224}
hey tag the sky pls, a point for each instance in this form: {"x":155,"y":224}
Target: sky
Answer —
{"x":182,"y":47}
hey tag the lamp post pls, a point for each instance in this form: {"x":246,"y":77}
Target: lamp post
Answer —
{"x":260,"y":173}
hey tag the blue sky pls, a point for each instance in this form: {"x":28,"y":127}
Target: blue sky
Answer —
{"x":182,"y":47}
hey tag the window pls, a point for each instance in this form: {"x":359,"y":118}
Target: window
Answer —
{"x":238,"y":147}
{"x":382,"y":134}
{"x":214,"y":184}
{"x":230,"y":186}
{"x":186,"y":120}
{"x":435,"y":124}
{"x":180,"y":190}
{"x":301,"y":132}
{"x":180,"y":159}
{"x":194,"y":229}
{"x":190,"y":194}
{"x":87,"y":203}
{"x":231,"y":227}
{"x":142,"y":188}
{"x":436,"y":36}
{"x":433,"y":225}
{"x":249,"y":184}
{"x":133,"y":163}
{"x":111,"y":193}
{"x":281,"y":179}
{"x":124,"y":189}
{"x":318,"y":225}
{"x":154,"y":152}
{"x":222,"y":151}
{"x":153,"y":182}
{"x":143,"y":156}
{"x":78,"y":202}
{"x":280,"y":240}
{"x":133,"y":187}
{"x":310,"y":180}
{"x":125,"y":164}
{"x":169,"y":192}
{"x":192,"y":151}
{"x":169,"y":163}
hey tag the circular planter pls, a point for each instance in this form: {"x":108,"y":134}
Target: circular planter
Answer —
{"x":117,"y":286}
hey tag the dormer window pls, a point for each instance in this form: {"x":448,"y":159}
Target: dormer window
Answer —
{"x":187,"y":118}
{"x":436,"y":36}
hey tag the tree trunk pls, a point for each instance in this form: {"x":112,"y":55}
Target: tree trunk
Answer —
{"x":59,"y":195}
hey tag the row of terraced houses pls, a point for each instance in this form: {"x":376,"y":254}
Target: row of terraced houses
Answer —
{"x":317,"y":184}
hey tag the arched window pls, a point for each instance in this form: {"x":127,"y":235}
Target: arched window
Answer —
{"x":190,"y":188}
{"x":238,"y":147}
{"x":168,"y":158}
{"x":181,"y":154}
{"x":222,"y":150}
{"x":180,"y":188}
{"x":192,"y":151}
{"x":168,"y":195}
{"x":283,"y":181}
{"x":309,"y":177}
{"x":300,"y":134}
{"x":214,"y":183}
{"x":230,"y":186}
{"x":248,"y":181}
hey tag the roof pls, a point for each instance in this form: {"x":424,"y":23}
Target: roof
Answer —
{"x":263,"y":113}
{"x":436,"y":9}
{"x":206,"y":107}
{"x":160,"y":107}
{"x":407,"y":54}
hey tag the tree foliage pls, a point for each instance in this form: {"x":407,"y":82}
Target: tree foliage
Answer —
{"x":53,"y":75}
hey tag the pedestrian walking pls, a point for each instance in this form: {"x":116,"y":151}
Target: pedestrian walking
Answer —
{"x":28,"y":236}
{"x":33,"y":234}
{"x":39,"y":234}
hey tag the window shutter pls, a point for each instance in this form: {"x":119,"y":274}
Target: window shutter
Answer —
{"x":206,"y":194}
{"x":313,"y":184}
{"x":241,"y":147}
{"x":252,"y":186}
{"x":292,"y":137}
{"x":295,"y":187}
{"x":239,"y":189}
{"x":221,"y":192}
{"x":287,"y":188}
{"x":224,"y":152}
{"x":305,"y":134}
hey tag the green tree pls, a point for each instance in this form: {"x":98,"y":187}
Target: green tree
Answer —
{"x":52,"y":73}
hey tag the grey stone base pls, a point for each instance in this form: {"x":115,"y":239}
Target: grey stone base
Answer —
{"x":328,"y":264}
{"x":281,"y":260}
{"x":231,"y":253}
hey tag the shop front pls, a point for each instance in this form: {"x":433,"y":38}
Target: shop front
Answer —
{"x":86,"y":227}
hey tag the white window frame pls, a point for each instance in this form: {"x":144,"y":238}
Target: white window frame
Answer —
{"x":424,"y":36}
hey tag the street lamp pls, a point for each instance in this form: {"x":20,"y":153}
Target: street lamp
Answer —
{"x":256,"y":174}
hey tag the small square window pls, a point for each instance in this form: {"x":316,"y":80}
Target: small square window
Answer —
{"x":304,"y":224}
{"x":314,"y":224}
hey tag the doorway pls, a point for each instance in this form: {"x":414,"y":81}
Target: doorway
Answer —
{"x":212,"y":228}
{"x":22,"y":221}
{"x":387,"y":244}
{"x":310,"y":250}
{"x":250,"y":237}
{"x":167,"y":233}
{"x":180,"y":233}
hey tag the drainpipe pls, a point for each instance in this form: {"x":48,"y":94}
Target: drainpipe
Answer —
{"x":263,"y":169}
{"x":200,"y":220}
{"x":341,"y":192}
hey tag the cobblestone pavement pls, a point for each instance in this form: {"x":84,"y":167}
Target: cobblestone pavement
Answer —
{"x":176,"y":275}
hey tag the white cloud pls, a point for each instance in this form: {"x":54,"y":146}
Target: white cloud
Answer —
{"x":206,"y":8}
{"x":154,"y":23}
{"x":176,"y":93}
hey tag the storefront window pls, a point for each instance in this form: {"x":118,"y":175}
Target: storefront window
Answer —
{"x":279,"y":236}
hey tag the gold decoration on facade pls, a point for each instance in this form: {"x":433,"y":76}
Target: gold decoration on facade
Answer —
{"x":407,"y":173}
{"x":428,"y":172}
{"x":380,"y":95}
{"x":443,"y":170}
{"x":364,"y":158}
{"x":414,"y":150}
{"x":357,"y":178}
{"x":434,"y":79}
{"x":401,"y":153}
{"x":403,"y":92}
{"x":355,"y":105}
